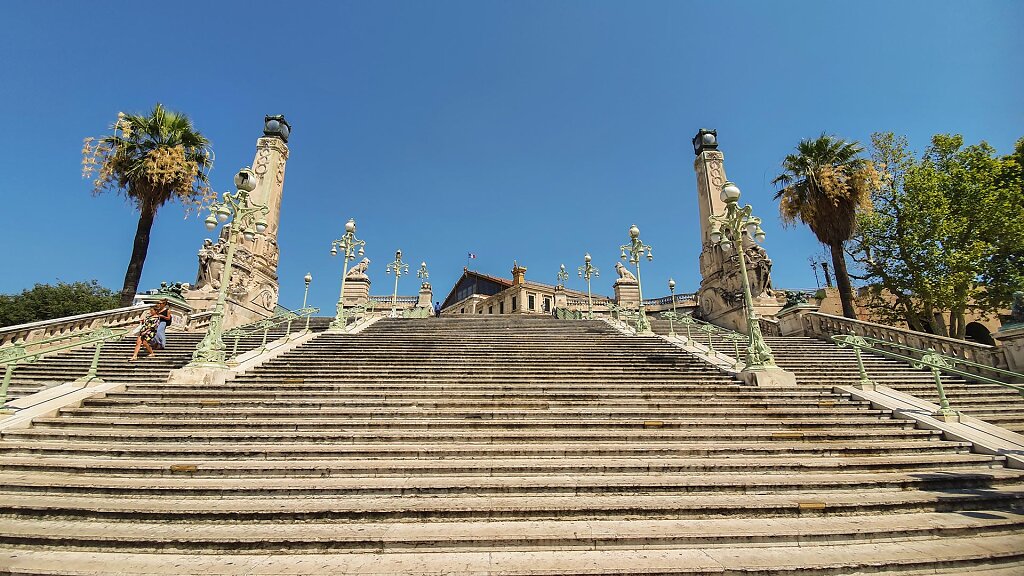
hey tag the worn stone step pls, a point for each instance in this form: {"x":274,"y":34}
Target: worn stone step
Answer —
{"x":270,"y":447}
{"x":189,"y":465}
{"x":530,"y":535}
{"x":520,"y":507}
{"x":499,"y":483}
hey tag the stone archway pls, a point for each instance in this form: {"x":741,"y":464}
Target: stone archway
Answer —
{"x":977,"y":332}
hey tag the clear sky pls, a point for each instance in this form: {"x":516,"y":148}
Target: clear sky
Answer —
{"x":534,"y":131}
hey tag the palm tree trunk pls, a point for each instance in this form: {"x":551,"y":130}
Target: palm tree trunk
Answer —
{"x":139,"y":251}
{"x":843,"y":280}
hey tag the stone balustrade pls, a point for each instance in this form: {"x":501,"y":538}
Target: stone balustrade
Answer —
{"x":804,"y":320}
{"x":26,"y":333}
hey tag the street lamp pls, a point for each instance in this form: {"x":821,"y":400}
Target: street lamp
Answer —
{"x":307,"y":279}
{"x":562,"y":276}
{"x":636,"y":249}
{"x":422,"y":273}
{"x":247,"y":219}
{"x":399,"y":268}
{"x":672,"y":317}
{"x":727,"y":230}
{"x":586,"y":271}
{"x":347,"y":243}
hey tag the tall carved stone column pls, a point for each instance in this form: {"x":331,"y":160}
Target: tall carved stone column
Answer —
{"x":253,"y":293}
{"x":720,"y":294}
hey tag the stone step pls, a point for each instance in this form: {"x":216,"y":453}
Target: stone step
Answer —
{"x":265,"y":422}
{"x":441,"y":536}
{"x":500,"y":483}
{"x":996,"y":555}
{"x":928,"y":439}
{"x":189,"y":465}
{"x":504,"y":412}
{"x":519,"y":507}
{"x":433,"y":448}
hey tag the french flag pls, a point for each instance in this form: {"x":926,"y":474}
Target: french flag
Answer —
{"x":471,"y":256}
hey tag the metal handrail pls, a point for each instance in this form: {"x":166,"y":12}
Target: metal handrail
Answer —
{"x":13,"y":356}
{"x":254,"y":328}
{"x":934,"y":361}
{"x":568,"y":314}
{"x":416,"y":313}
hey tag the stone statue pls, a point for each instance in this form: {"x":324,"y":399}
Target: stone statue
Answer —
{"x":211,"y":264}
{"x":761,"y":266}
{"x":359,"y":270}
{"x":624,"y":274}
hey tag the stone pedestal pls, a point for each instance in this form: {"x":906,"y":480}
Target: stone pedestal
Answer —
{"x":426,"y":297}
{"x":357,"y":291}
{"x":791,"y":320}
{"x":627,"y":293}
{"x":1011,"y":341}
{"x":561,"y":299}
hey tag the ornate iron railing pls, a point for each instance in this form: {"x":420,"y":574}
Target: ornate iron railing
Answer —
{"x":17,"y":354}
{"x":568,"y":314}
{"x":416,"y":313}
{"x":281,"y":317}
{"x":936,"y":362}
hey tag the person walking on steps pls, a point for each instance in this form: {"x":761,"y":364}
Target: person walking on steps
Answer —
{"x":146,"y":333}
{"x":163,"y":314}
{"x":437,"y":309}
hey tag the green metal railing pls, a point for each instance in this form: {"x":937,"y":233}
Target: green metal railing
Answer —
{"x":930,"y":359}
{"x":13,"y":356}
{"x":624,"y":314}
{"x":416,"y":313}
{"x":282,"y":316}
{"x":567,"y":314}
{"x":689,"y":322}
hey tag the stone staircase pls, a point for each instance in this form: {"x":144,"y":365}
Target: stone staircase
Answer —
{"x":511,"y":445}
{"x":820,"y":362}
{"x":115,"y":367}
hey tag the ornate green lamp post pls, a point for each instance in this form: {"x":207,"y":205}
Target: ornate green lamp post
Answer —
{"x":422,"y":273}
{"x":727,"y":230}
{"x":672,"y":317}
{"x":562,"y":276}
{"x":347,"y":243}
{"x":307,"y":279}
{"x":636,"y":249}
{"x":247,"y":219}
{"x":398,"y":268}
{"x":587,"y":271}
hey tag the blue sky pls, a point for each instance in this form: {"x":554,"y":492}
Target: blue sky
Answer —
{"x":534,"y":131}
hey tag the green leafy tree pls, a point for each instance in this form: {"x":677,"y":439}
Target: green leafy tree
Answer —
{"x":946,"y":234}
{"x":46,"y":301}
{"x":824,"y":185}
{"x":151,"y":159}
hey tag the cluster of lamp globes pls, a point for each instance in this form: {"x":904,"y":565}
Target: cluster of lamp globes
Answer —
{"x":245,"y":181}
{"x":350,"y":230}
{"x":720,"y":234}
{"x":634,"y":234}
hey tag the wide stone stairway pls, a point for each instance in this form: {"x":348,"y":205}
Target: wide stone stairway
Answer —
{"x":816,"y":361}
{"x":511,"y":445}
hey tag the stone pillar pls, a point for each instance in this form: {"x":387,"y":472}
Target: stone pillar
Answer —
{"x":253,"y":293}
{"x":721,"y":292}
{"x":1011,"y":341}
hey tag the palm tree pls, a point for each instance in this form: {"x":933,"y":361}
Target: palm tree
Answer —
{"x":150,"y":159}
{"x":824,"y":185}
